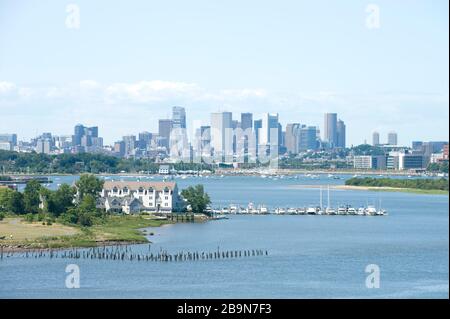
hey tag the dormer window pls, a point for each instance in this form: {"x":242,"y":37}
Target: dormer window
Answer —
{"x":141,"y":190}
{"x":125,"y":190}
{"x":114,"y":190}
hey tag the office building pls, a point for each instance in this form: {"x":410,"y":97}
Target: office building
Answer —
{"x":375,"y":138}
{"x":178,"y":117}
{"x":330,"y":130}
{"x":340,"y":131}
{"x":164,"y":129}
{"x":246,"y":121}
{"x":392,"y":138}
{"x":221,"y":133}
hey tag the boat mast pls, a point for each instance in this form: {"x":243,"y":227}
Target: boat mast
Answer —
{"x":328,"y":196}
{"x":321,"y":204}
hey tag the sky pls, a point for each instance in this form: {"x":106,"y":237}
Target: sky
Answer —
{"x":381,"y":65}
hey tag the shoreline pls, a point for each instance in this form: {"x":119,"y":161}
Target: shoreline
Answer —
{"x":377,"y":189}
{"x":238,"y":172}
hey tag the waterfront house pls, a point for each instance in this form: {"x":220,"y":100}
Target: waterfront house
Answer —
{"x":164,"y":169}
{"x":134,"y":197}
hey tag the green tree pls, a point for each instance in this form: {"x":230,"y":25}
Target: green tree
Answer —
{"x":87,"y":205}
{"x":61,"y":200}
{"x":196,"y":198}
{"x":5,"y":195}
{"x":31,"y":196}
{"x":88,"y":184}
{"x":16,"y":203}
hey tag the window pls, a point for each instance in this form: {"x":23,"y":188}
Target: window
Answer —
{"x":166,"y":197}
{"x":166,"y":204}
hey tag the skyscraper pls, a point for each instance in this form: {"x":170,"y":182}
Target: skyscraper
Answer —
{"x":178,"y":117}
{"x":392,"y":138}
{"x":144,"y":140}
{"x":130,"y":144}
{"x":330,"y":129}
{"x":246,"y":121}
{"x":308,"y":138}
{"x":340,"y":131}
{"x":221,"y":126}
{"x":375,"y":138}
{"x":269,"y":124}
{"x":292,"y":137}
{"x":164,"y":129}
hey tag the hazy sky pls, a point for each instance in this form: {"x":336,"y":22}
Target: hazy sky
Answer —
{"x":127,"y":63}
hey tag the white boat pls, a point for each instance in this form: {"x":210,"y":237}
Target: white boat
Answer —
{"x":311,"y":211}
{"x":361,"y":211}
{"x":330,"y":211}
{"x":292,"y":211}
{"x":371,"y":210}
{"x":342,"y":211}
{"x":280,"y":211}
{"x":263,"y":210}
{"x":301,"y":211}
{"x":351,"y":211}
{"x":225,"y":210}
{"x":233,"y":209}
{"x":217,"y":217}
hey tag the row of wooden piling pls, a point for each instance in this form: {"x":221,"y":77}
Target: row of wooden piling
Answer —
{"x":125,"y":253}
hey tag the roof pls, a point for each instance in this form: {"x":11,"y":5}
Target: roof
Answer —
{"x":108,"y":185}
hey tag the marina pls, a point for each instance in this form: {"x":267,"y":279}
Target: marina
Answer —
{"x":261,"y":209}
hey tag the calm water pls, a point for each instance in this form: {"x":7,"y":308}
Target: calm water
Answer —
{"x":309,"y":256}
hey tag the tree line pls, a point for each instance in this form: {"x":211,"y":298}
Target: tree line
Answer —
{"x":18,"y":162}
{"x":68,"y":204}
{"x":419,"y":183}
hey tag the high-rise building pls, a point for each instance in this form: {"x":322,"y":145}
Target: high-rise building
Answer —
{"x":43,"y":145}
{"x":340,"y":130}
{"x":221,"y":132}
{"x":330,"y":130}
{"x":144,"y":140}
{"x":246,"y":121}
{"x":119,"y":148}
{"x":9,"y":138}
{"x":178,"y":117}
{"x":392,"y":138}
{"x":307,"y":138}
{"x":269,"y":126}
{"x":375,"y":138}
{"x":165,"y":127}
{"x":130,"y":144}
{"x":292,"y":137}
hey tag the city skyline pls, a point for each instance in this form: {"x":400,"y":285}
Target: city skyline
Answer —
{"x":102,"y":72}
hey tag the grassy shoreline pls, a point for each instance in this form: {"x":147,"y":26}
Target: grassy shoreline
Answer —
{"x":113,"y":231}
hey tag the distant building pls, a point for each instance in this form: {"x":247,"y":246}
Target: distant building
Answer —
{"x":164,"y":129}
{"x":340,"y":131}
{"x":164,"y":169}
{"x":43,"y":145}
{"x":144,"y":140}
{"x":136,"y":197}
{"x":119,"y":148}
{"x":330,"y":130}
{"x":369,"y":162}
{"x":9,"y":138}
{"x":178,"y":117}
{"x":246,"y":121}
{"x":392,"y":138}
{"x":130,"y":144}
{"x":292,"y":137}
{"x":221,"y":125}
{"x":6,"y":146}
{"x":404,"y":161}
{"x":375,"y":138}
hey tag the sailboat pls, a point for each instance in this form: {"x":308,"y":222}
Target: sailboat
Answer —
{"x":329,"y":210}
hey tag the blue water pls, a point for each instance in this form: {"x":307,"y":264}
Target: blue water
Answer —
{"x":309,"y":256}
